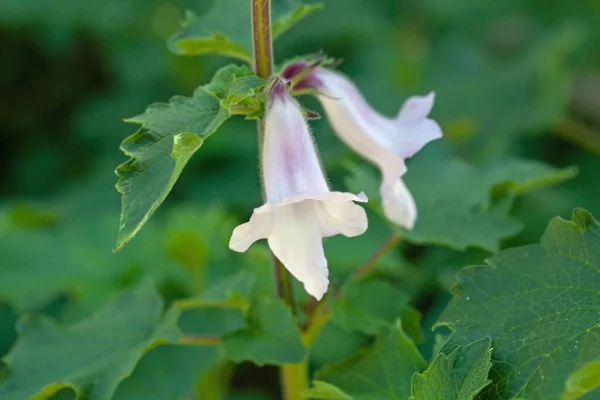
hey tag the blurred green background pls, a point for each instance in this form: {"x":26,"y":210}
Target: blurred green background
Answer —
{"x":513,"y":78}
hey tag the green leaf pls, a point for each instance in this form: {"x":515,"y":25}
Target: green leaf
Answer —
{"x":520,"y":176}
{"x":272,"y":336}
{"x":92,"y":356}
{"x":540,"y":304}
{"x":168,"y":373}
{"x":221,"y":309}
{"x":453,"y":197}
{"x":582,"y":381}
{"x":458,"y":376}
{"x":286,"y":21}
{"x":358,"y":310}
{"x":71,"y":262}
{"x":170,"y":134}
{"x":324,"y":391}
{"x":380,"y":372}
{"x":7,"y":329}
{"x":226,"y":28}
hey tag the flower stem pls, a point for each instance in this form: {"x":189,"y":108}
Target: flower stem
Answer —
{"x":261,"y":34}
{"x":284,"y":284}
{"x":294,"y":377}
{"x":385,"y":247}
{"x":319,"y":314}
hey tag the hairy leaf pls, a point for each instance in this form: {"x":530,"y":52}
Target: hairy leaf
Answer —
{"x":458,"y":376}
{"x":93,"y":356}
{"x":540,"y":304}
{"x":170,"y":134}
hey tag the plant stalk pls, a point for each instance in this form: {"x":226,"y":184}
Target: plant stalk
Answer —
{"x":294,"y":377}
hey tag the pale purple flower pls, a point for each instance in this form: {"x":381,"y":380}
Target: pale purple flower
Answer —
{"x":386,"y":142}
{"x":300,"y":210}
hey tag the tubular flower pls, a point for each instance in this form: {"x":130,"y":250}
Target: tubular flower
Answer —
{"x":386,"y":142}
{"x":300,"y":209}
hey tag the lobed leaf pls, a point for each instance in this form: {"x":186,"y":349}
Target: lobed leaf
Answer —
{"x":93,"y":356}
{"x":382,"y":371}
{"x":170,"y":134}
{"x":540,"y":304}
{"x":458,"y":376}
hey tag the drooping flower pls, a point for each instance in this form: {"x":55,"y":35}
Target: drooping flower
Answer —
{"x":386,"y":142}
{"x":300,"y":210}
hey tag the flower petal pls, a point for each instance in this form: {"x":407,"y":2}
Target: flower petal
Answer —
{"x":290,"y":164}
{"x":398,"y":204}
{"x":415,"y":130}
{"x":296,"y":240}
{"x":416,"y":108}
{"x":257,"y":228}
{"x":344,"y":218}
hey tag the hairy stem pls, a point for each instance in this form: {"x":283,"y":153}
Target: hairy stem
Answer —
{"x":261,"y":34}
{"x":294,"y":377}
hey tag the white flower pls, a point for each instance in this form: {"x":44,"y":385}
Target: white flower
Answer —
{"x":386,"y":142}
{"x":300,"y":209}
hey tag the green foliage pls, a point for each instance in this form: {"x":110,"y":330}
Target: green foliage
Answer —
{"x":170,"y":134}
{"x":226,"y":28}
{"x":272,"y":336}
{"x":516,"y":87}
{"x":92,"y":356}
{"x":168,"y":372}
{"x":380,"y":371}
{"x":539,"y":304}
{"x":583,"y":381}
{"x":453,"y":198}
{"x":325,"y":391}
{"x":219,"y":310}
{"x":458,"y":376}
{"x":358,"y":310}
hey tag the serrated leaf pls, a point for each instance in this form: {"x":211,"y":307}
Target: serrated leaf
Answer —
{"x":272,"y":336}
{"x":453,"y":197}
{"x":359,"y":310}
{"x":170,"y":134}
{"x":540,"y":304}
{"x":168,"y":373}
{"x":382,"y":371}
{"x":324,"y":391}
{"x":92,"y":356}
{"x":458,"y":376}
{"x":226,"y":28}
